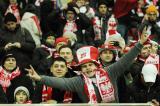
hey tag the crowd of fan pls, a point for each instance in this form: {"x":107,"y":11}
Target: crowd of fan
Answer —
{"x":52,"y":36}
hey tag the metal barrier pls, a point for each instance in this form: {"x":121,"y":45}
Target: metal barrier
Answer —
{"x":102,"y":104}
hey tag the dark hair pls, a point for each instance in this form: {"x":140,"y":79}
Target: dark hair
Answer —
{"x":10,"y":17}
{"x":59,"y":59}
{"x":103,"y":2}
{"x":64,"y":46}
{"x":30,"y":8}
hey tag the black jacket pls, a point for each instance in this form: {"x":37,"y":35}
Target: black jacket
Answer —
{"x":141,"y":94}
{"x":21,"y":35}
{"x":3,"y":98}
{"x":57,"y":23}
{"x":40,"y":61}
{"x":21,"y":80}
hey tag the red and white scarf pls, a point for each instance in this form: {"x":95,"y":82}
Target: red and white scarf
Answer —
{"x":97,"y":28}
{"x":13,"y":8}
{"x":104,"y":85}
{"x":47,"y":95}
{"x":153,"y":59}
{"x":70,"y":26}
{"x":5,"y":77}
{"x":37,"y":22}
{"x":50,"y":50}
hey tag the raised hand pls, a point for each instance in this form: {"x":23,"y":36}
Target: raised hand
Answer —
{"x":32,"y":74}
{"x":17,"y":44}
{"x":144,"y":36}
{"x":8,"y":46}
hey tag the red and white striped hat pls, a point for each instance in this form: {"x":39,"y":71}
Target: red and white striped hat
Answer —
{"x":87,"y":54}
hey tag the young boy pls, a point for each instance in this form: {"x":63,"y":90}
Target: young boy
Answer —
{"x":22,"y":95}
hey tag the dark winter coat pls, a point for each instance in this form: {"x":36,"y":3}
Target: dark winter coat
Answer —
{"x":141,"y":94}
{"x":40,"y":61}
{"x":3,"y":98}
{"x":21,"y":35}
{"x":21,"y":80}
{"x":155,"y":29}
{"x":57,"y":94}
{"x":57,"y":23}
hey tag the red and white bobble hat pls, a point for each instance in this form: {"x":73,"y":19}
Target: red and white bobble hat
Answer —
{"x":87,"y":54}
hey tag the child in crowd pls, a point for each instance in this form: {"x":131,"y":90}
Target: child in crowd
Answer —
{"x":22,"y":95}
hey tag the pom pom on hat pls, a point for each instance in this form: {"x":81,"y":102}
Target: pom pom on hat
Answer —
{"x":149,"y":72}
{"x":61,"y":39}
{"x":151,"y":8}
{"x":10,"y":17}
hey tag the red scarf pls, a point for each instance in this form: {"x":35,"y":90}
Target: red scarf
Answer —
{"x":47,"y":95}
{"x":28,"y":102}
{"x":5,"y":77}
{"x":70,"y":26}
{"x":104,"y":85}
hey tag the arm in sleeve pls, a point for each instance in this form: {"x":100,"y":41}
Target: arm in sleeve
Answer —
{"x":124,"y":62}
{"x":69,"y":84}
{"x":142,"y":25}
{"x":28,"y":44}
{"x":83,"y":21}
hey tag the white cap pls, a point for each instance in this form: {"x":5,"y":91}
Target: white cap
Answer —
{"x":149,"y":72}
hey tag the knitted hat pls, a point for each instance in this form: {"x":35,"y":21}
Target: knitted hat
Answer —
{"x":70,"y":7}
{"x":149,"y":72}
{"x":7,"y":56}
{"x":107,"y":47}
{"x":87,"y":54}
{"x":151,"y":8}
{"x":102,"y":2}
{"x":112,"y":33}
{"x":23,"y":89}
{"x":10,"y":17}
{"x":61,"y":39}
{"x":72,"y":37}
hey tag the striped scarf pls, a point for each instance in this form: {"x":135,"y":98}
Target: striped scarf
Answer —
{"x":5,"y":77}
{"x":47,"y":95}
{"x":104,"y":85}
{"x":70,"y":26}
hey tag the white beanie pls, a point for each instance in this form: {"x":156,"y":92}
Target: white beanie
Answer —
{"x":149,"y":72}
{"x":71,"y":36}
{"x":23,"y":89}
